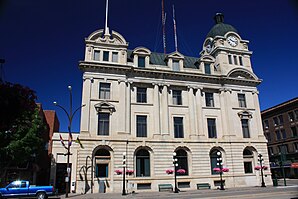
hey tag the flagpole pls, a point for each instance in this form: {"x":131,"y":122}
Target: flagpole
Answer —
{"x":163,"y":26}
{"x":175,"y":30}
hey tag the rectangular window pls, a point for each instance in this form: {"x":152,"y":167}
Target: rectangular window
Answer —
{"x":105,"y":56}
{"x":278,"y":136}
{"x":104,"y":90}
{"x":103,"y":123}
{"x":96,"y":55}
{"x":270,"y":150}
{"x":291,"y":116}
{"x":114,"y":56}
{"x":141,"y":95}
{"x":178,"y":127}
{"x":141,"y":62}
{"x":176,"y":66}
{"x":209,"y":99}
{"x":101,"y":170}
{"x":266,"y":124}
{"x":296,"y":114}
{"x":207,"y":68}
{"x":247,"y":167}
{"x":280,"y":119}
{"x":294,"y":131}
{"x":211,"y":128}
{"x":235,"y":60}
{"x":245,"y":129}
{"x":283,"y":148}
{"x":283,"y":133}
{"x":268,"y":136}
{"x":241,"y":100}
{"x":240,"y":61}
{"x":275,"y":121}
{"x":296,"y":146}
{"x":230,"y":59}
{"x":177,"y":98}
{"x":141,"y":126}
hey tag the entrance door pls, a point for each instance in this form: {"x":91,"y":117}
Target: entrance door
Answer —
{"x":61,"y":173}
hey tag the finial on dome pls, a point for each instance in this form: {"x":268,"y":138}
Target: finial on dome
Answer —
{"x":219,"y":18}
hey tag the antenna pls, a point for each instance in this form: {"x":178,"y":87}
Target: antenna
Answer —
{"x":163,"y":26}
{"x":175,"y":31}
{"x":2,"y":61}
{"x":107,"y":34}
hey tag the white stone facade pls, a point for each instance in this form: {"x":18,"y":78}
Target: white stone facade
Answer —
{"x":112,"y":76}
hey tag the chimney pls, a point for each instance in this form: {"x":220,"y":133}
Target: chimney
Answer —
{"x":219,"y":18}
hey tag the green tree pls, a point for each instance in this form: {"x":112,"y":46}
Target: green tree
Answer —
{"x":21,"y":126}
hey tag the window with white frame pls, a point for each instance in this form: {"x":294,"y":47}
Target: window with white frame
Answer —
{"x":96,"y":55}
{"x":114,"y":56}
{"x":104,"y":90}
{"x":141,"y":125}
{"x":105,"y":56}
{"x":241,"y":100}
{"x":209,"y":99}
{"x":103,"y":123}
{"x":177,"y":97}
{"x":176,"y":66}
{"x":245,"y":128}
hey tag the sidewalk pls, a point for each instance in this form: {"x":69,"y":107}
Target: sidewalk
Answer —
{"x":209,"y":193}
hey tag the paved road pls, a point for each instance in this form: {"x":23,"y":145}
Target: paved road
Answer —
{"x":269,"y":192}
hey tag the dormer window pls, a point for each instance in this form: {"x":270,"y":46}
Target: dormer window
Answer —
{"x":176,"y":66}
{"x":114,"y":56}
{"x":105,"y":56}
{"x":141,"y":57}
{"x":141,"y":62}
{"x":96,"y":55}
{"x":207,"y":68}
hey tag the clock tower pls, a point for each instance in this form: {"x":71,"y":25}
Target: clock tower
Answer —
{"x":225,"y":50}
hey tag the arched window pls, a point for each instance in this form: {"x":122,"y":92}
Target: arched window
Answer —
{"x":102,"y":160}
{"x":248,"y":161}
{"x":213,"y":160}
{"x":142,"y":163}
{"x":181,"y":156}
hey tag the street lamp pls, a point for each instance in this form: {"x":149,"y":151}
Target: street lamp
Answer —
{"x":69,"y":117}
{"x":260,"y":159}
{"x":123,"y":182}
{"x":175,"y":162}
{"x":219,"y":163}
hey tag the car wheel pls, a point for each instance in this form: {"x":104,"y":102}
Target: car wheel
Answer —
{"x":41,"y":196}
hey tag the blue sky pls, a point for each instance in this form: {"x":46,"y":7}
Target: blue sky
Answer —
{"x":43,"y":41}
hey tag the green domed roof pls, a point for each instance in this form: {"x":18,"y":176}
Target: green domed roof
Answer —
{"x":220,"y":28}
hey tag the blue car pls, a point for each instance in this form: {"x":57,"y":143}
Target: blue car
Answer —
{"x":18,"y":189}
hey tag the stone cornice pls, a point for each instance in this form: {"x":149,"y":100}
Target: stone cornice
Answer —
{"x":164,"y":74}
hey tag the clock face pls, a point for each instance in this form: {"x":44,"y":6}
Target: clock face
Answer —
{"x":233,"y":41}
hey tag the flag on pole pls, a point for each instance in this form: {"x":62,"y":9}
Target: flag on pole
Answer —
{"x":79,"y":142}
{"x":62,"y":141}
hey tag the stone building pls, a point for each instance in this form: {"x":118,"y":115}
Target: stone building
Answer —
{"x":280,"y":125}
{"x":150,"y":105}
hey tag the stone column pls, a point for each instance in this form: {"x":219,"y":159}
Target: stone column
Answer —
{"x":122,"y":107}
{"x":86,"y":99}
{"x":128,"y":107}
{"x":199,"y":112}
{"x":156,"y":109}
{"x":257,"y":115}
{"x":164,"y":110}
{"x":192,"y":112}
{"x":226,"y":115}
